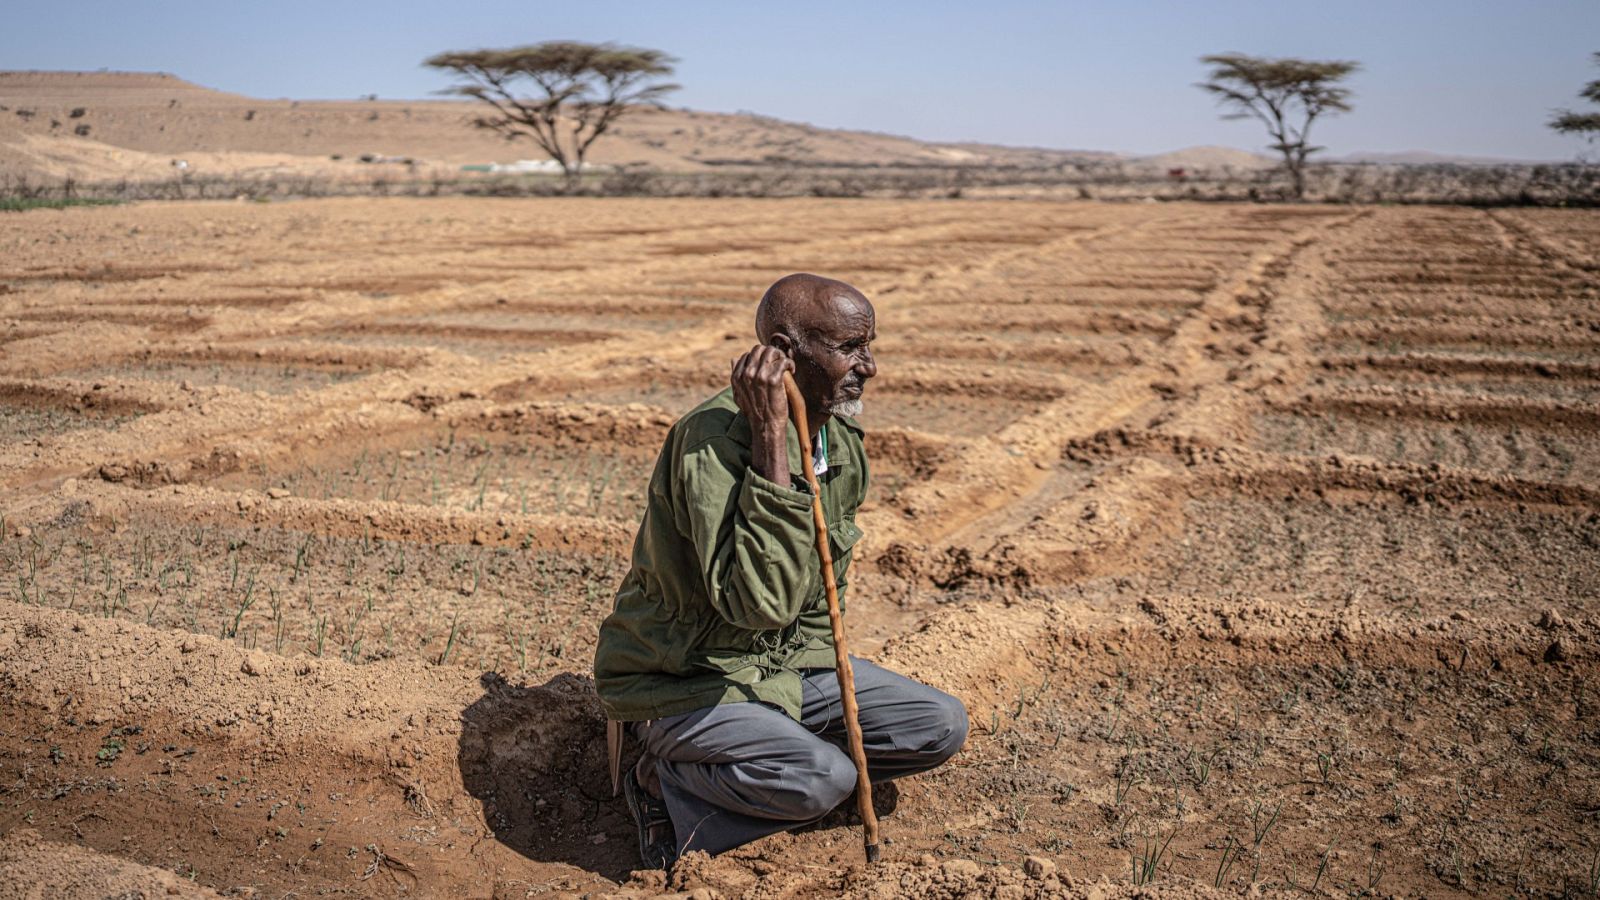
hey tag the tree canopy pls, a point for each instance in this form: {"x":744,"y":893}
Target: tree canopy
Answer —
{"x":579,"y":91}
{"x":1568,"y":122}
{"x":1287,"y":95}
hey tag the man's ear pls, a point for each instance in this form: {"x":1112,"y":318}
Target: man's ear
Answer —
{"x":783,"y":344}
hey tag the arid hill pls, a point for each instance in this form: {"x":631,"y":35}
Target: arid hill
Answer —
{"x":99,"y":125}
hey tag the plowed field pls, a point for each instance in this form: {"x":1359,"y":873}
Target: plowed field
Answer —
{"x":1263,"y":543}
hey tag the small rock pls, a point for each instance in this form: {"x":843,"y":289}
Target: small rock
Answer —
{"x":277,"y":493}
{"x":597,"y":839}
{"x":255,"y":664}
{"x":961,"y":867}
{"x":1557,"y":651}
{"x":94,"y":676}
{"x":123,"y":682}
{"x":1037,"y":867}
{"x":763,"y":868}
{"x":927,"y":861}
{"x":189,"y":645}
{"x":1550,"y":620}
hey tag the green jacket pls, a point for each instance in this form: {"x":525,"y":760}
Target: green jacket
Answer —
{"x":724,"y":601}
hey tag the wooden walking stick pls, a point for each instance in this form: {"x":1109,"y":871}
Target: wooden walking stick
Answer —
{"x":847,"y":678}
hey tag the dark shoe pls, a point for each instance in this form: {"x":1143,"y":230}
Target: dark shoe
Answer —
{"x":658,"y":846}
{"x":885,"y":798}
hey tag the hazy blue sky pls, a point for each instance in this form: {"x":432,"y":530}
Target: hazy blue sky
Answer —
{"x":1453,"y":76}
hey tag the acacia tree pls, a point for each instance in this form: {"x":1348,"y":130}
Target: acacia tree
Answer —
{"x":581,"y":90}
{"x":1287,"y":95}
{"x":1588,"y":124}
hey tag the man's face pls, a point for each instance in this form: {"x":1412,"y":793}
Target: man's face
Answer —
{"x":835,"y":360}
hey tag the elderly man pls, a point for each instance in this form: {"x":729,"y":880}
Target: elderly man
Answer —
{"x":719,"y":651}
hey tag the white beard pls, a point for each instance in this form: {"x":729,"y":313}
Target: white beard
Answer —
{"x":851,"y":408}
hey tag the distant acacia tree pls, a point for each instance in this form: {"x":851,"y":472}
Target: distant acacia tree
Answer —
{"x":1588,"y":124}
{"x":1287,"y":95}
{"x":580,"y":91}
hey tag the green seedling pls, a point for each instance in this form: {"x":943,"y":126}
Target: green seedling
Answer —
{"x":1290,"y":877}
{"x":1018,"y":814}
{"x":1230,"y":855}
{"x":1324,"y":766}
{"x":1289,"y":700}
{"x":277,"y":620}
{"x":1116,"y":715}
{"x":450,"y":643}
{"x":1202,"y":769}
{"x":482,"y":481}
{"x":1126,"y":776}
{"x":1375,"y":872}
{"x":1147,"y":864}
{"x":110,"y":748}
{"x":1261,"y":825}
{"x":300,"y":560}
{"x":232,"y":631}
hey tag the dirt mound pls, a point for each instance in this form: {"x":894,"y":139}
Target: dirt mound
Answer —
{"x":32,"y":868}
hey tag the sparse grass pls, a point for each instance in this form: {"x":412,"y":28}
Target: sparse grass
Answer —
{"x":475,"y":475}
{"x":358,"y":598}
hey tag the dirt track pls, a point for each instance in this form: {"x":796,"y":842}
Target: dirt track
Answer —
{"x":1267,"y":531}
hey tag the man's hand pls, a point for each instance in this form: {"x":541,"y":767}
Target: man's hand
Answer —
{"x":758,"y":389}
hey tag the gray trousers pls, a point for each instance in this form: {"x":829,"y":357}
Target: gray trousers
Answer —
{"x":739,"y":771}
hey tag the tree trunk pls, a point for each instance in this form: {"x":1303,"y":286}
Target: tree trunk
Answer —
{"x":1296,"y":169}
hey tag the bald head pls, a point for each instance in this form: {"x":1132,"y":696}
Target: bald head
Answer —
{"x":800,"y":305}
{"x":827,"y":328}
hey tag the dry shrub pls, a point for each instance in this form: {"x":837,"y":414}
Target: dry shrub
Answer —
{"x":1568,"y":184}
